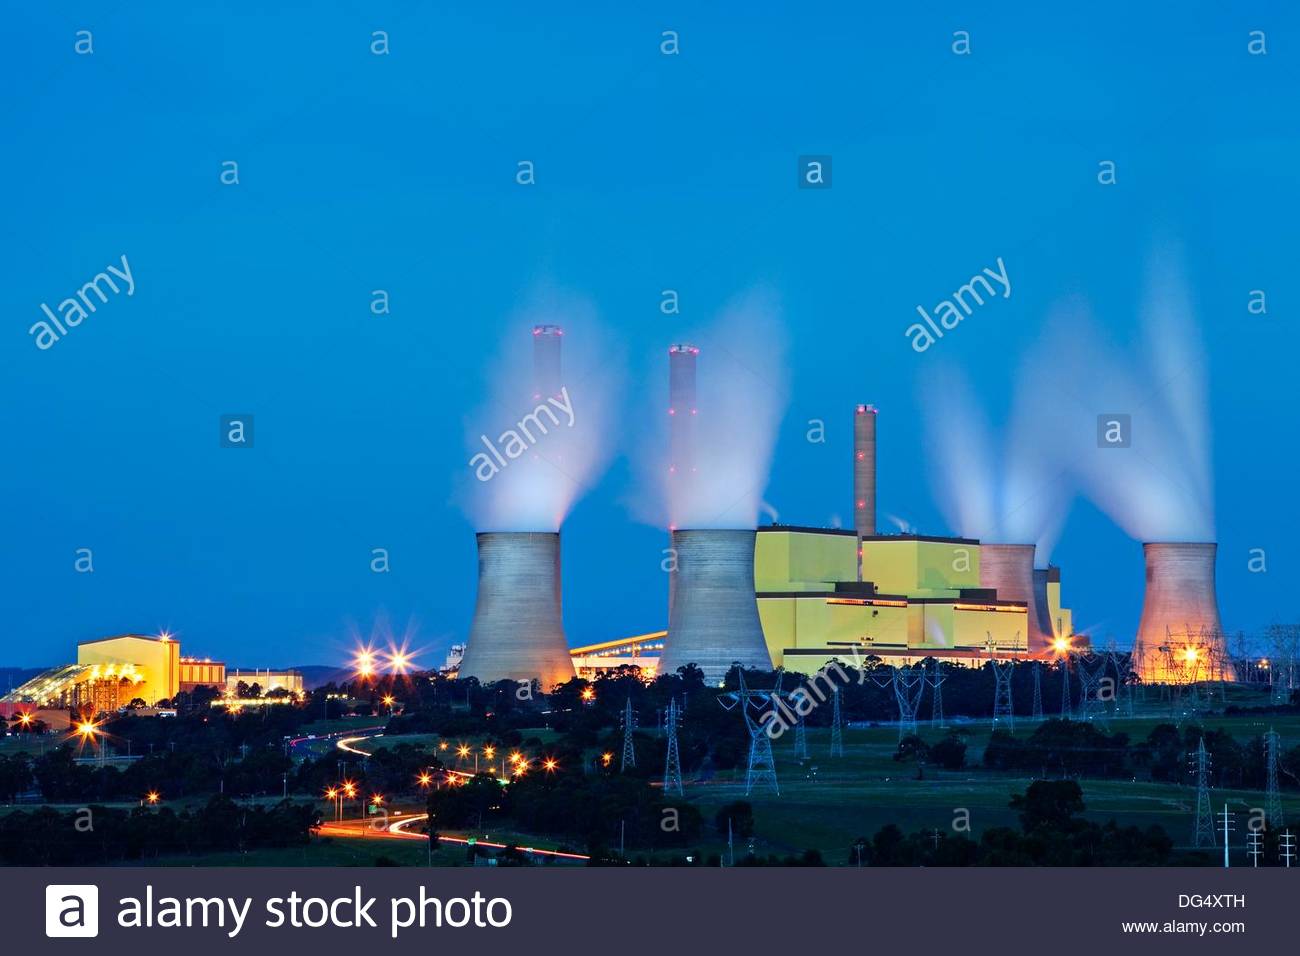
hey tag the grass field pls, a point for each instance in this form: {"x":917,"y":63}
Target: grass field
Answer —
{"x":826,"y":803}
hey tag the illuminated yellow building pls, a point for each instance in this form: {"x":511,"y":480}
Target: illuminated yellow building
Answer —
{"x":155,"y":661}
{"x":915,"y":596}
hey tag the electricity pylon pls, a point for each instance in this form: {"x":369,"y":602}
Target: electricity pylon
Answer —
{"x":1274,"y":808}
{"x":936,"y":679}
{"x":801,"y":739}
{"x":762,"y":767}
{"x":1203,"y":835}
{"x":1038,"y":692}
{"x":673,"y":762}
{"x":629,"y":723}
{"x":908,"y":684}
{"x":837,"y":729}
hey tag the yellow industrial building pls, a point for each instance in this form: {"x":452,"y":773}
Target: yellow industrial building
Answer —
{"x":113,"y":671}
{"x":902,"y":598}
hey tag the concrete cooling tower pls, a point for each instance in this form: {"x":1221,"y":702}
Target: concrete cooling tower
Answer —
{"x":714,"y":621}
{"x":1009,"y":568}
{"x":1042,"y":608}
{"x":1180,"y":637}
{"x":517,"y":632}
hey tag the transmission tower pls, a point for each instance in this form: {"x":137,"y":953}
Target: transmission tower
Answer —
{"x":1091,"y":705}
{"x":1274,"y":809}
{"x":936,"y":679}
{"x":837,"y":728}
{"x":1204,"y":832}
{"x":762,"y":767}
{"x":1003,"y":713}
{"x":1038,"y":692}
{"x":908,"y":684}
{"x":673,"y":762}
{"x":800,"y":739}
{"x":629,"y":724}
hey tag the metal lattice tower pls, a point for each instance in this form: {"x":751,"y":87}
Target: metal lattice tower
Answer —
{"x":629,"y":724}
{"x":837,"y":727}
{"x":673,"y":762}
{"x":801,"y":739}
{"x":762,"y":766}
{"x":909,"y":684}
{"x":1274,"y":803}
{"x":1003,"y":711}
{"x":935,"y":679}
{"x":1123,"y":689}
{"x":1038,"y":692}
{"x":1091,"y":706}
{"x":1203,"y":835}
{"x":1066,"y":709}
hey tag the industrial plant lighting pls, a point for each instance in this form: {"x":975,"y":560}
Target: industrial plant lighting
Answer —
{"x":489,"y":752}
{"x":462,"y":751}
{"x":331,"y":793}
{"x":588,"y":693}
{"x":1190,"y":654}
{"x":607,"y":758}
{"x":550,"y":764}
{"x":425,"y":779}
{"x":1061,"y":644}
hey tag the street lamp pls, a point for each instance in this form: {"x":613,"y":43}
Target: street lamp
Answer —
{"x":152,"y":797}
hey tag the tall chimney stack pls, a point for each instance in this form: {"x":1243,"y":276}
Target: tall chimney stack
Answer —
{"x":864,"y":471}
{"x":682,"y":410}
{"x":548,"y":375}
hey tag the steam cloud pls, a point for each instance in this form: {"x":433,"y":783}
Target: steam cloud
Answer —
{"x":535,"y":491}
{"x":1021,"y":498}
{"x":1158,"y":489}
{"x":1161,"y":488}
{"x":743,"y":392}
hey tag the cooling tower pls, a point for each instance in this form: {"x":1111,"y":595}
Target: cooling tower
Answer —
{"x":864,"y":471}
{"x":1009,"y":568}
{"x":547,"y":372}
{"x":713,"y":621}
{"x":1180,"y":637}
{"x":517,"y":631}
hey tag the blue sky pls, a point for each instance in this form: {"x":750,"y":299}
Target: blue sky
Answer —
{"x":361,"y":172}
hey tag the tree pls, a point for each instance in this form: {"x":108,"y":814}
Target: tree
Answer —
{"x":949,"y":753}
{"x":1049,"y":805}
{"x":741,"y":817}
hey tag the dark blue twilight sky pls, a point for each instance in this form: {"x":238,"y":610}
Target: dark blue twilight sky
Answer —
{"x":360,"y":172}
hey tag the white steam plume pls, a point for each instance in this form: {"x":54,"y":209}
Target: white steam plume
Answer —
{"x":522,"y":476}
{"x":743,"y":392}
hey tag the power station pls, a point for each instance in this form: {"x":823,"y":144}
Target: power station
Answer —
{"x":801,"y":597}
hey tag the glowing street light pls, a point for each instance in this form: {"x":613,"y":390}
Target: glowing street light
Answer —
{"x":607,"y":758}
{"x":442,"y":745}
{"x":588,"y":694}
{"x":550,"y":763}
{"x":365,"y":663}
{"x":489,"y":752}
{"x":25,"y":718}
{"x":152,"y":797}
{"x":425,"y":779}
